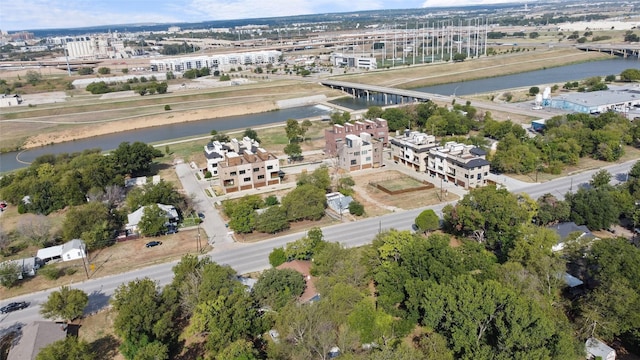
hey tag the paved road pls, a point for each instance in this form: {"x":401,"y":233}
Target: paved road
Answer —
{"x":254,"y":257}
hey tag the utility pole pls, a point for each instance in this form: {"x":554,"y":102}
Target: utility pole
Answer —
{"x":84,"y":264}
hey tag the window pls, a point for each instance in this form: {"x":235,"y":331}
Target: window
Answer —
{"x":353,"y":162}
{"x":242,"y":172}
{"x":256,"y":169}
{"x":479,"y":176}
{"x":233,"y":173}
{"x":260,"y":177}
{"x":486,"y":173}
{"x":356,"y":153}
{"x":269,"y":167}
{"x":247,"y":179}
{"x":368,"y":158}
{"x":466,"y":176}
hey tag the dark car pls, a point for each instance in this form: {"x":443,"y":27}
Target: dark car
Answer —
{"x":14,"y":306}
{"x":153,"y":243}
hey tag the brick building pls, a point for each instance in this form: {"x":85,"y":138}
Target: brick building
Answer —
{"x":335,"y":137}
{"x":359,"y":152}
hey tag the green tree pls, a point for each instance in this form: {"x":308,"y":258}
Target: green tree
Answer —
{"x":85,"y":71}
{"x":134,"y":158}
{"x":293,"y":150}
{"x":67,"y":304}
{"x":276,"y":288}
{"x":356,"y":208}
{"x":292,"y":129}
{"x":373,"y":112}
{"x":272,"y":220}
{"x":221,"y":137}
{"x":304,"y":127}
{"x":104,"y":70}
{"x":318,"y":178}
{"x":459,"y":57}
{"x":153,"y":220}
{"x":33,"y":77}
{"x":630,"y":75}
{"x":427,"y":221}
{"x":600,"y":179}
{"x":305,"y":202}
{"x":238,"y":350}
{"x":93,"y":223}
{"x":152,"y":351}
{"x":551,"y":210}
{"x":10,"y":273}
{"x":534,"y":90}
{"x":594,"y":217}
{"x":243,"y":219}
{"x":277,"y":257}
{"x":69,"y":348}
{"x":533,"y":35}
{"x":251,"y":134}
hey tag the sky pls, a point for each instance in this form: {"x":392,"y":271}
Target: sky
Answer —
{"x":55,"y":14}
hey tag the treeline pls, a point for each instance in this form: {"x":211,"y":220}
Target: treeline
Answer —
{"x":142,"y":86}
{"x":306,"y":202}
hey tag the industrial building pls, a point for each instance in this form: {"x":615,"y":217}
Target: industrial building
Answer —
{"x":618,"y":98}
{"x":368,"y":63}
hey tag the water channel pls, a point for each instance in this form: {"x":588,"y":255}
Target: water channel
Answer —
{"x":557,"y":75}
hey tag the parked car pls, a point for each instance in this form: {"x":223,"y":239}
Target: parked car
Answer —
{"x":153,"y":243}
{"x":14,"y":306}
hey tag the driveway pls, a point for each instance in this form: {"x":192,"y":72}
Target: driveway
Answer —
{"x":212,"y":224}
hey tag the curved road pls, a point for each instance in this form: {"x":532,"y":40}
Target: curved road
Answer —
{"x":246,"y":258}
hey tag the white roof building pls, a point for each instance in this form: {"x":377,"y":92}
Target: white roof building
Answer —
{"x":598,"y":349}
{"x":134,"y":218}
{"x":71,"y":250}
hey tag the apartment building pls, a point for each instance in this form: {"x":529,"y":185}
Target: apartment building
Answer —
{"x":463,"y":165}
{"x":360,"y":152}
{"x":412,"y":149}
{"x":335,"y":137}
{"x":222,"y":62}
{"x":242,"y":165}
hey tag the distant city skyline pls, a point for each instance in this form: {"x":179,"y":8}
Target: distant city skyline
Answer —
{"x":67,"y":14}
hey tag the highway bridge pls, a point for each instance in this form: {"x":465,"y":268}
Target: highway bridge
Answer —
{"x":624,"y":50}
{"x":379,"y":94}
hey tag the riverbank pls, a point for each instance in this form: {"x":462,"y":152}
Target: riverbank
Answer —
{"x":114,"y":126}
{"x":406,"y":77}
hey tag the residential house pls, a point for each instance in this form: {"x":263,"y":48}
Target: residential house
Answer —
{"x":71,"y":250}
{"x":247,"y":166}
{"x":597,"y":349}
{"x":359,"y":152}
{"x":461,"y":164}
{"x":28,"y":266}
{"x":338,"y":202}
{"x":412,"y":149}
{"x":565,"y":229}
{"x":334,"y":137}
{"x":134,"y":218}
{"x":215,"y":152}
{"x":34,"y":337}
{"x":310,"y":293}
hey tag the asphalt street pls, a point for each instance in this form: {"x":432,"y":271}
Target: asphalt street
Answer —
{"x":254,"y":257}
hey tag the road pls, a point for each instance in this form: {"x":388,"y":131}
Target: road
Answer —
{"x":246,"y":258}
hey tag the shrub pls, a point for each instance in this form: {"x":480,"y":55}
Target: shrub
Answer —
{"x":70,"y":271}
{"x":355,"y":208}
{"x":277,"y":257}
{"x":271,"y":200}
{"x":50,"y":272}
{"x":208,"y":175}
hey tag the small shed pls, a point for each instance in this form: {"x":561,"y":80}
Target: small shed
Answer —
{"x":50,"y":253}
{"x":598,"y":349}
{"x":28,"y":266}
{"x":338,"y":202}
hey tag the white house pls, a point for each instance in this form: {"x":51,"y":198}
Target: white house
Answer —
{"x":134,"y":218}
{"x":597,"y":349}
{"x":28,"y":266}
{"x":71,"y":250}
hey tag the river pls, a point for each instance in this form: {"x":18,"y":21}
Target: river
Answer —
{"x":558,"y":75}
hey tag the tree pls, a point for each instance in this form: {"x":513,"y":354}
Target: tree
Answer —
{"x":92,"y":222}
{"x":134,"y":158}
{"x":534,"y":90}
{"x":305,"y":202}
{"x":243,"y":219}
{"x":319,"y":178}
{"x":293,"y":150}
{"x":10,"y":273}
{"x":36,"y":228}
{"x":304,"y":127}
{"x":292,"y":129}
{"x":85,"y":71}
{"x":356,"y":208}
{"x":276,"y":288}
{"x":153,"y":220}
{"x":551,"y":210}
{"x":600,"y":179}
{"x":583,"y":212}
{"x":427,"y":221}
{"x":152,"y":351}
{"x":221,"y":137}
{"x":630,"y":75}
{"x":104,"y":70}
{"x":374,"y":112}
{"x":67,"y":304}
{"x":610,"y":78}
{"x":125,"y":71}
{"x":69,"y":348}
{"x":277,"y":257}
{"x":272,"y":220}
{"x":251,"y":134}
{"x":533,"y":35}
{"x":459,"y":57}
{"x":33,"y":77}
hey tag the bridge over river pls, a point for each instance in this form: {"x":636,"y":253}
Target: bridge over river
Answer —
{"x":624,"y":50}
{"x":381,"y":94}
